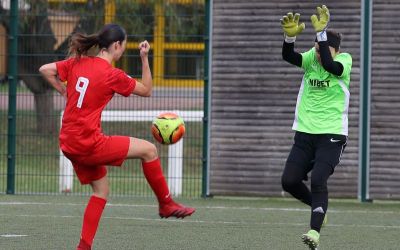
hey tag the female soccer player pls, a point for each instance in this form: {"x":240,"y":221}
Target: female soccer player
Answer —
{"x":91,"y":83}
{"x":321,"y":117}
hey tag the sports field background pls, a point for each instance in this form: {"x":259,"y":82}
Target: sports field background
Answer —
{"x":54,"y":222}
{"x":245,"y":34}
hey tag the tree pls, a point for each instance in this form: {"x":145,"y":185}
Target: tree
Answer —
{"x":36,"y":47}
{"x":37,"y":40}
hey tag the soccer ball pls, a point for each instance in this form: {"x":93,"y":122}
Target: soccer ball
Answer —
{"x":168,"y":128}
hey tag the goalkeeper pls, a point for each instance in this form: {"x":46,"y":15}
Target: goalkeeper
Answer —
{"x":321,"y":117}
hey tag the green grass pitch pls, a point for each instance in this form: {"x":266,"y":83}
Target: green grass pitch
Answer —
{"x":53,"y":222}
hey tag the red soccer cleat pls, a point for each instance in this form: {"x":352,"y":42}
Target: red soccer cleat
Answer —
{"x":83,"y":246}
{"x":175,"y":210}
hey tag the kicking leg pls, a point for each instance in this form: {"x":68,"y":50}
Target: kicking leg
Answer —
{"x":152,"y":170}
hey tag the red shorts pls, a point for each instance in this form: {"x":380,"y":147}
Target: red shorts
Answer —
{"x":92,"y":167}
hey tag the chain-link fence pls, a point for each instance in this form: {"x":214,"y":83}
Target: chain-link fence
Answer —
{"x":175,"y":30}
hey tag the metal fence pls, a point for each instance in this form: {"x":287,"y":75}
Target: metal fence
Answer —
{"x":30,"y":111}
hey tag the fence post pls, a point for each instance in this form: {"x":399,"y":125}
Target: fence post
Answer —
{"x":175,"y":168}
{"x":205,"y":192}
{"x":365,"y":101}
{"x":12,"y":96}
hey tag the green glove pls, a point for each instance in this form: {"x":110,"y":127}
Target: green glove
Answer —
{"x":290,"y":24}
{"x":321,"y":23}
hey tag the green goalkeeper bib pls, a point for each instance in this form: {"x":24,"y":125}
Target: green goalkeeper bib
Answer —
{"x":323,"y":99}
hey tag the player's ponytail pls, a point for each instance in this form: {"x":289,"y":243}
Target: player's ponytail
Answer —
{"x":80,"y":44}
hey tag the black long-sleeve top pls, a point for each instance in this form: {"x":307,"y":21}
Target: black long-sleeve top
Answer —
{"x":327,"y":61}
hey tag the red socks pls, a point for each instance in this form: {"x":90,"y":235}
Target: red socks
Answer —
{"x":153,"y":172}
{"x":91,"y":218}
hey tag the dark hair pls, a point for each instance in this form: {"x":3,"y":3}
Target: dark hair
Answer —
{"x":334,"y":39}
{"x":80,"y":43}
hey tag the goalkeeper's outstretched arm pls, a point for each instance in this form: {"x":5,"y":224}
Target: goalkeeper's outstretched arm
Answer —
{"x":327,"y":61}
{"x":291,"y":56}
{"x":320,"y":23}
{"x":291,"y":28}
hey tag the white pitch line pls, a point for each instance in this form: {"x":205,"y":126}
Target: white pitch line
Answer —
{"x":13,"y":235}
{"x":200,"y":221}
{"x":208,"y":207}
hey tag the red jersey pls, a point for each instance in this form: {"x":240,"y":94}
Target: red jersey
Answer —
{"x":91,"y":83}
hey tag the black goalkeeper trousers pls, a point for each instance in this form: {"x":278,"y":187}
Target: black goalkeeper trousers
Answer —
{"x":318,"y":154}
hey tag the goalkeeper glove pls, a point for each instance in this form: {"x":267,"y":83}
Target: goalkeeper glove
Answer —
{"x":320,"y":23}
{"x":291,"y":27}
